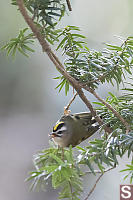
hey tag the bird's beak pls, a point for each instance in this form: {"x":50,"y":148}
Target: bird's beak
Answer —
{"x":52,"y":135}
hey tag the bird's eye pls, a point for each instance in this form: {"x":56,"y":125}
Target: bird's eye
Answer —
{"x":77,"y":117}
{"x":59,"y":132}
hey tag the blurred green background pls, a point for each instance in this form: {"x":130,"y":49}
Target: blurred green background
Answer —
{"x":30,"y":105}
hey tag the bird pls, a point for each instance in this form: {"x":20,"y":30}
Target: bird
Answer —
{"x":72,"y":129}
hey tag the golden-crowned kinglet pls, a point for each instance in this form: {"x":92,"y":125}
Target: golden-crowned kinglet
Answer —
{"x":72,"y":129}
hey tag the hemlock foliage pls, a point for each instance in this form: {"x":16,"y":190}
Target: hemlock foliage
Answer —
{"x":91,"y":68}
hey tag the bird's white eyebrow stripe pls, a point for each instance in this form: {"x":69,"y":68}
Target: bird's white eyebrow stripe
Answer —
{"x":63,"y":128}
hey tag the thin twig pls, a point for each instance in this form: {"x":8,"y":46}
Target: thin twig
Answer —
{"x":66,"y":109}
{"x":95,"y":171}
{"x":124,"y":122}
{"x":99,"y":171}
{"x":69,"y":5}
{"x":98,"y":179}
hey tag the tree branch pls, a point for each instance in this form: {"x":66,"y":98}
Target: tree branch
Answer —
{"x":69,"y":5}
{"x":66,"y":109}
{"x":99,"y":171}
{"x":57,"y":63}
{"x":98,"y":179}
{"x":44,"y":44}
{"x":110,"y":108}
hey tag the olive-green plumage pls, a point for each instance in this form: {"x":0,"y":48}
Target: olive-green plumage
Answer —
{"x":73,"y":129}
